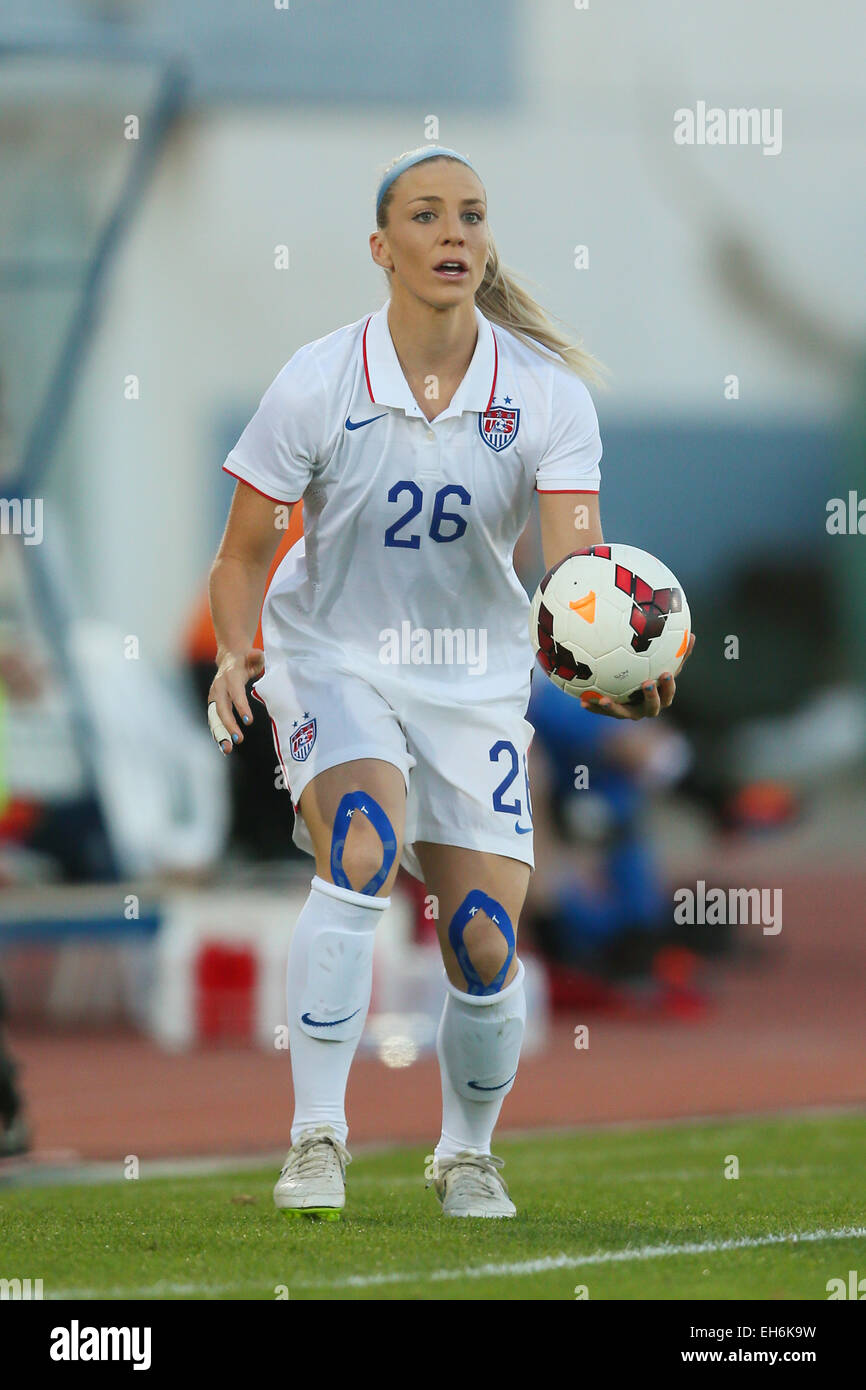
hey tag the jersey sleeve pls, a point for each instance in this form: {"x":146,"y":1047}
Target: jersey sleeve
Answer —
{"x":278,"y":449}
{"x":570,"y":461}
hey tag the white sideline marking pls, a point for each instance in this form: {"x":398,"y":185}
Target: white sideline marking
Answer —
{"x":601,"y":1257}
{"x":98,"y":1173}
{"x":162,"y":1289}
{"x":514,"y":1270}
{"x":761,"y":1170}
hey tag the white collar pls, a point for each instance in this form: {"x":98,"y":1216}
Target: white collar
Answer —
{"x":388,"y":386}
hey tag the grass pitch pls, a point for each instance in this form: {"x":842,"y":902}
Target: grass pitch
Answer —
{"x":637,"y":1214}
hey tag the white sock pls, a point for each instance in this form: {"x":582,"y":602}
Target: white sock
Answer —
{"x":478,"y":1041}
{"x":341,"y":924}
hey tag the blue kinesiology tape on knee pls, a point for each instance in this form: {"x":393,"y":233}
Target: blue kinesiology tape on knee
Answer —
{"x":474,"y":902}
{"x":361,"y":801}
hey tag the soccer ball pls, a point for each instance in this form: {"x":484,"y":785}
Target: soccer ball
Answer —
{"x":606,"y":619}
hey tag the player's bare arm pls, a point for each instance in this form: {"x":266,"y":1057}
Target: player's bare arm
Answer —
{"x":237,"y":585}
{"x":570,"y":521}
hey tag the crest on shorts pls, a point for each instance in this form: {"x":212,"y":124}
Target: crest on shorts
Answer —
{"x":302,"y":739}
{"x":498,"y":426}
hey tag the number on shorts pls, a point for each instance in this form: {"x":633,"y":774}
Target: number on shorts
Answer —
{"x":503,"y":746}
{"x":511,"y":808}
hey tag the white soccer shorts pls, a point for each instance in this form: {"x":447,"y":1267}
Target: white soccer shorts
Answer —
{"x":464,"y":764}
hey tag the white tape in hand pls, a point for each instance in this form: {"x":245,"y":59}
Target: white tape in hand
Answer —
{"x":217,"y":728}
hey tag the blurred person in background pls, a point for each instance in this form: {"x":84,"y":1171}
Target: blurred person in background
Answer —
{"x":15,"y":678}
{"x":806,"y":721}
{"x":49,"y":827}
{"x":598,"y":907}
{"x":261,"y":821}
{"x":14,"y":1129}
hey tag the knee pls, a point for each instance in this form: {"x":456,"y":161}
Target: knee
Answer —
{"x":487,"y":950}
{"x":362,"y":858}
{"x":364,"y":844}
{"x":483,"y":940}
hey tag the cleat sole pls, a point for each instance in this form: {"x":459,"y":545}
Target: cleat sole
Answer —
{"x":479,"y":1215}
{"x":322,"y":1213}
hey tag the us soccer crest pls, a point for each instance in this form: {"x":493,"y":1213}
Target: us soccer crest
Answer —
{"x":302,"y":740}
{"x":498,"y":426}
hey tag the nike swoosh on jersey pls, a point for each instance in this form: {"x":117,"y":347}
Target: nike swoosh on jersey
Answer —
{"x":359,"y":424}
{"x":476,"y":1086}
{"x":317,"y":1023}
{"x":523,"y":829}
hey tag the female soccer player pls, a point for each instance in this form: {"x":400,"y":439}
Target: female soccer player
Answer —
{"x":396,"y":649}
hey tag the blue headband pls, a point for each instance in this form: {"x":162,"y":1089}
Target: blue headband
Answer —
{"x":416,"y":157}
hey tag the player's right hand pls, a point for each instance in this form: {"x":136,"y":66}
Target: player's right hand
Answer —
{"x":657,"y":695}
{"x":228,"y":694}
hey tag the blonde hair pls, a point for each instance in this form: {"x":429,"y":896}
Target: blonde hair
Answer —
{"x":503,"y":300}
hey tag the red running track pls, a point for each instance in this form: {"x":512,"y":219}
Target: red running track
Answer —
{"x":787,"y":1033}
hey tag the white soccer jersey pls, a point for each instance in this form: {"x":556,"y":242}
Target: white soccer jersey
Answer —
{"x":410,"y":526}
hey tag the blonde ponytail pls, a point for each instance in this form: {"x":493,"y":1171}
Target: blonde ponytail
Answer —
{"x":504,"y":301}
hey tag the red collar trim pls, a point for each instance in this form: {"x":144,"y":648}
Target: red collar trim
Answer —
{"x":495,"y":367}
{"x":366,"y":368}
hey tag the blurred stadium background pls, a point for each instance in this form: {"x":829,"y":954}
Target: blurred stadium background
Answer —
{"x":188,"y":192}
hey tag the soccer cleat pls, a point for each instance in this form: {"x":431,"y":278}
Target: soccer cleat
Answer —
{"x":312,"y":1181}
{"x":470,"y":1185}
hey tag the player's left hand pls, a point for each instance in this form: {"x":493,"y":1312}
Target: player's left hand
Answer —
{"x":656,"y":696}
